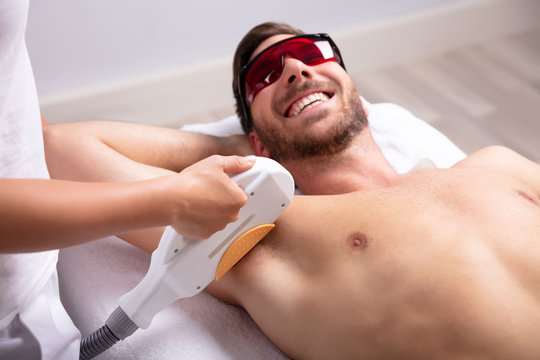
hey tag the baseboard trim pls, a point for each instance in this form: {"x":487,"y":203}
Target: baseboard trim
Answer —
{"x":202,"y":92}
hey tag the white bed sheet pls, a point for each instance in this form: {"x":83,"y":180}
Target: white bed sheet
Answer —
{"x":94,"y":276}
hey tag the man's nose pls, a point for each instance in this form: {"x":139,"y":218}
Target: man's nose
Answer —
{"x":294,"y":70}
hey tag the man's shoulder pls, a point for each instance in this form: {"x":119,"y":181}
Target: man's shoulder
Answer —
{"x":502,"y":159}
{"x":490,"y":155}
{"x":496,"y":151}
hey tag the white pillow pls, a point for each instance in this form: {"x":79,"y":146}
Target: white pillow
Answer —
{"x":405,"y":140}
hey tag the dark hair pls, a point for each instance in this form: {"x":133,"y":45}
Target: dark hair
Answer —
{"x":243,"y":53}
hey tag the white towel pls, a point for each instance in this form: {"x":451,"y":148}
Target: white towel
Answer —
{"x":404,"y":139}
{"x":94,"y":276}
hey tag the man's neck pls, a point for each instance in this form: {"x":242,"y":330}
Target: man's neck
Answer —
{"x":361,"y":166}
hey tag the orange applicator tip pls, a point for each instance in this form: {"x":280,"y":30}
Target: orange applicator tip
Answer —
{"x":240,"y":247}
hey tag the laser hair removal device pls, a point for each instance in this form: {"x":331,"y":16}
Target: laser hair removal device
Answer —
{"x":182,"y":267}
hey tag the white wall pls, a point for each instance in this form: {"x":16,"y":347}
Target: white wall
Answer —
{"x":75,"y":44}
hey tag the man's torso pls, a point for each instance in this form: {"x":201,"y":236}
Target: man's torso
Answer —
{"x":442,"y":264}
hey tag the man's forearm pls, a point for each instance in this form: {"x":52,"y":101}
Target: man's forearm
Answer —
{"x":85,"y":150}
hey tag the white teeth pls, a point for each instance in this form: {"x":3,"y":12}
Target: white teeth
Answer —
{"x":308,"y":102}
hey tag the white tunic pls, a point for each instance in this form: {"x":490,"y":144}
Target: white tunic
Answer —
{"x":24,"y":278}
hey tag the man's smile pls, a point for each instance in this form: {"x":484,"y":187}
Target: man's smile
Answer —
{"x":307,"y":102}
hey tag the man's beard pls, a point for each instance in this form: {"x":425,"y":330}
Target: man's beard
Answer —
{"x":346,"y":125}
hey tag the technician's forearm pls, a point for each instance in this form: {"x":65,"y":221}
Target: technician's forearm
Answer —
{"x":38,"y":215}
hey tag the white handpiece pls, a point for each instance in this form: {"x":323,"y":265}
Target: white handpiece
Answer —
{"x":182,"y":267}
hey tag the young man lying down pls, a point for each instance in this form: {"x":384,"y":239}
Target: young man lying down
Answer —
{"x":369,"y":264}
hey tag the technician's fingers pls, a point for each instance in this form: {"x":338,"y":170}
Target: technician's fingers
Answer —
{"x":232,"y":165}
{"x":207,"y":198}
{"x":237,"y":164}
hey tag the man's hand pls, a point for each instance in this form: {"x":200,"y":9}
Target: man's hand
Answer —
{"x":206,"y":198}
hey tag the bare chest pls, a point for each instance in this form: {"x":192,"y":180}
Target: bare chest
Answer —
{"x":379,"y":270}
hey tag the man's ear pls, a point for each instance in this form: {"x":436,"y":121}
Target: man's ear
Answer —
{"x":257,"y":145}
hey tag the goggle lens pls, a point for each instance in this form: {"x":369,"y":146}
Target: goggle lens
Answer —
{"x":266,"y":68}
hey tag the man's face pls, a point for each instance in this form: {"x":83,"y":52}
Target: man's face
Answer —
{"x":309,"y":111}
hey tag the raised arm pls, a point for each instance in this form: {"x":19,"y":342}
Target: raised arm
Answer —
{"x":115,"y":151}
{"x":105,"y":151}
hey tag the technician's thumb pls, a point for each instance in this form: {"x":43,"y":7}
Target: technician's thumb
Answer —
{"x":237,"y":164}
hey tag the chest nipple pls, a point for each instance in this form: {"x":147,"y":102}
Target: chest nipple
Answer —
{"x":357,"y":241}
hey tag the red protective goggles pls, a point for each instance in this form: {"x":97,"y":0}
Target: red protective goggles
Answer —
{"x":265,"y":68}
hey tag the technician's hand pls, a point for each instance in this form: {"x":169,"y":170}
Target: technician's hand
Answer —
{"x":206,"y":198}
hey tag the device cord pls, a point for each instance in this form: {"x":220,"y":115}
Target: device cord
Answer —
{"x":117,"y":327}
